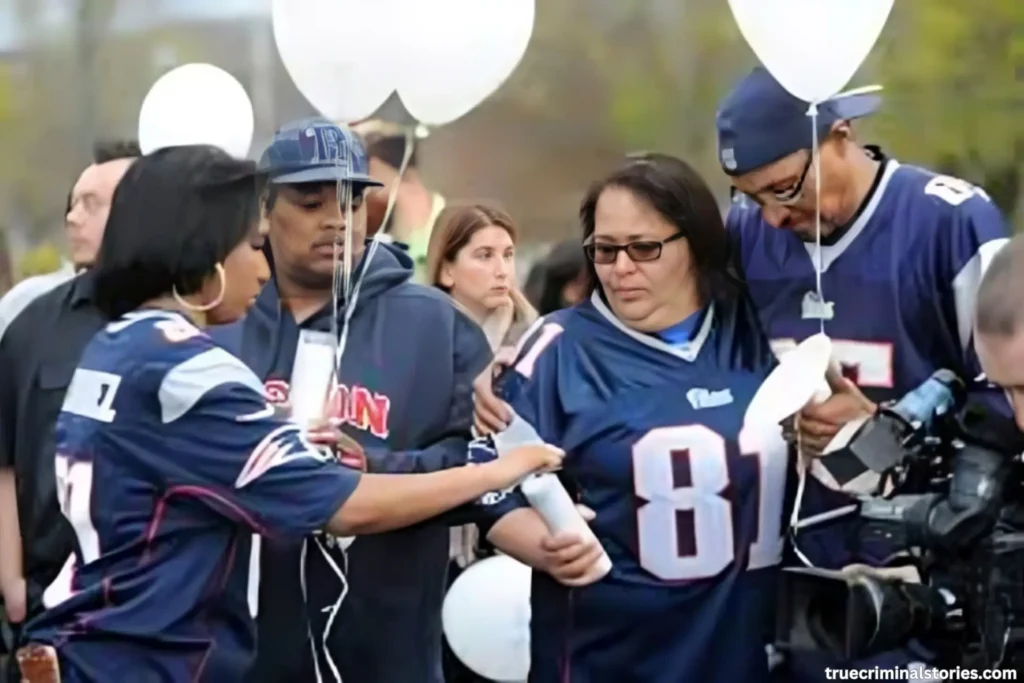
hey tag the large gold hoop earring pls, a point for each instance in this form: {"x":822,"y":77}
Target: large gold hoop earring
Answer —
{"x":205,"y":307}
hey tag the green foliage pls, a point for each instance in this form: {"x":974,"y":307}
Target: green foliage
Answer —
{"x":76,"y":82}
{"x":666,"y":78}
{"x":953,"y":72}
{"x":662,"y":66}
{"x":11,"y":118}
{"x":43,"y":259}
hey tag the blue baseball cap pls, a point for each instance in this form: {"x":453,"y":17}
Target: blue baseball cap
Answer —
{"x":315,"y":150}
{"x":760,"y":122}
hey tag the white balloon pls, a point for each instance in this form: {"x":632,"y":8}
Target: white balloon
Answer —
{"x":792,"y":384}
{"x":339,"y":54}
{"x":197,"y":104}
{"x":486,"y":618}
{"x":460,"y":52}
{"x":812,"y":47}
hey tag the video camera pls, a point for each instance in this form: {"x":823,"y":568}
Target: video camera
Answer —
{"x":954,"y":480}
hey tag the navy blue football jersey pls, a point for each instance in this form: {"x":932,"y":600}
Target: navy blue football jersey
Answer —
{"x":899,"y":286}
{"x":898,"y":302}
{"x":168,"y":461}
{"x":688,"y":502}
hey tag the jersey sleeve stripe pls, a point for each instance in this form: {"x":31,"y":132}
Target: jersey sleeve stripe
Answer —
{"x":185,"y":384}
{"x":966,"y":283}
{"x":209,"y":494}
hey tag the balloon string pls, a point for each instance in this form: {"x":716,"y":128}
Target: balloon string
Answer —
{"x":341,"y":271}
{"x":341,"y":278}
{"x":802,"y":466}
{"x":352,"y":298}
{"x":816,"y":157}
{"x":349,"y":247}
{"x":410,"y":146}
{"x":336,"y":284}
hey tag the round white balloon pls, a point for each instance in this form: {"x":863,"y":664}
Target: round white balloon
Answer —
{"x":812,"y":47}
{"x":486,"y":617}
{"x":460,"y":52}
{"x":339,"y":53}
{"x":197,"y":104}
{"x":796,"y":380}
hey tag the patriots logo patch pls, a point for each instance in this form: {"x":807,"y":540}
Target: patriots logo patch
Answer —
{"x":282,"y":446}
{"x":728,"y":156}
{"x":481,"y":450}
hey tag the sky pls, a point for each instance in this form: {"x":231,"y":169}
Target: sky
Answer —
{"x":134,"y":15}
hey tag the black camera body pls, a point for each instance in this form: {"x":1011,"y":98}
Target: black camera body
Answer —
{"x":955,"y":506}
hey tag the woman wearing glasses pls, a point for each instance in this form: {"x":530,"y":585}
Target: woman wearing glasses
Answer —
{"x":645,"y":386}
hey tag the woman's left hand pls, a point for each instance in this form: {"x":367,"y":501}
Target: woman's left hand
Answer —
{"x":345,"y":448}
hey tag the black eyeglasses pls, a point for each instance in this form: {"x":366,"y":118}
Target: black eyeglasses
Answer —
{"x":787,"y":197}
{"x":638,"y":252}
{"x":792,"y":194}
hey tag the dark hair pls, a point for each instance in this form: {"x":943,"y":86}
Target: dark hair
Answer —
{"x":549,"y":277}
{"x":105,"y":151}
{"x":455,"y":227}
{"x":390,"y":149}
{"x":175,"y":215}
{"x":533,"y":288}
{"x":678,"y":193}
{"x":999,"y":309}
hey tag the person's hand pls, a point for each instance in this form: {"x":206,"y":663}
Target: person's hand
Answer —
{"x":818,"y":423}
{"x":38,"y":664}
{"x":15,"y":594}
{"x":490,"y":413}
{"x":345,"y":448}
{"x":906,"y":573}
{"x":512,"y":467}
{"x":569,"y":559}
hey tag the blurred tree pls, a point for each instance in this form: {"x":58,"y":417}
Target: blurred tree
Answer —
{"x":954,"y":79}
{"x":11,"y":118}
{"x":665,"y":89}
{"x":600,"y":78}
{"x":79,"y":79}
{"x":11,"y":169}
{"x":643,"y":74}
{"x":6,"y":274}
{"x":43,"y":259}
{"x":56,"y":79}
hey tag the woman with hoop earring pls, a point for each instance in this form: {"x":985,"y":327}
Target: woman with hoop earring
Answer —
{"x":169,"y":458}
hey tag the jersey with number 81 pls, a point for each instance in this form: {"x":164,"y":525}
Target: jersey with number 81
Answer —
{"x":688,"y":502}
{"x":656,"y":445}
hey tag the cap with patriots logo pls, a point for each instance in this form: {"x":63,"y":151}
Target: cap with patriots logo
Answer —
{"x":316,"y":150}
{"x":760,"y":122}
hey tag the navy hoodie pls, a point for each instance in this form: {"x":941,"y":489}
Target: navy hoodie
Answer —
{"x":413,"y":356}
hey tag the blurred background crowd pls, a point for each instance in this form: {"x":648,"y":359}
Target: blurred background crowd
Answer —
{"x":601,"y":77}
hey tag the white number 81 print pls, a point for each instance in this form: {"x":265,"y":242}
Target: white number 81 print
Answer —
{"x":708,"y":512}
